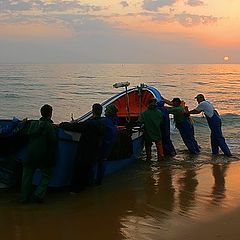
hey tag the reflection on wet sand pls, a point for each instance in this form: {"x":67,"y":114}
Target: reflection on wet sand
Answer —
{"x":90,"y":215}
{"x":187,"y":188}
{"x":160,"y":191}
{"x":218,"y":190}
{"x":145,"y":202}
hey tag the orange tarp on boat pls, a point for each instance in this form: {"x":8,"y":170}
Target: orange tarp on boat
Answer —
{"x":137,"y":103}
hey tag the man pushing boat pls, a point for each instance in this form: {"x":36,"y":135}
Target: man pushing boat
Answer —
{"x":214,"y":123}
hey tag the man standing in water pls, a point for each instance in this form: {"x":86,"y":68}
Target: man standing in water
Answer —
{"x":152,"y":118}
{"x":168,"y":148}
{"x":214,"y":123}
{"x":183,"y":124}
{"x":41,"y":151}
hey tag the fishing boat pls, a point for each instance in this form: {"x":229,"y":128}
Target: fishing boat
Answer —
{"x":130,"y":103}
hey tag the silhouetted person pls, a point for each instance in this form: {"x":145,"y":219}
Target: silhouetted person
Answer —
{"x":110,"y":122}
{"x":41,"y":152}
{"x":168,"y":147}
{"x":152,"y":118}
{"x":184,"y":125}
{"x":89,"y":146}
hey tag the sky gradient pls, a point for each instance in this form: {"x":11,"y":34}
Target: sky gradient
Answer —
{"x":128,"y":31}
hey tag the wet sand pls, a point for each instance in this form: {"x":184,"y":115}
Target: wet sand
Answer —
{"x":171,"y":200}
{"x":225,"y":226}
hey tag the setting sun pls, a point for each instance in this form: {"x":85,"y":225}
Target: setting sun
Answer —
{"x":226,"y":58}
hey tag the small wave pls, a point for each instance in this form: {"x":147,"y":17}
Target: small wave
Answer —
{"x":68,"y":85}
{"x":103,"y":93}
{"x":19,"y":84}
{"x":200,"y":83}
{"x":217,"y":92}
{"x":160,"y":84}
{"x":168,"y":85}
{"x":232,"y":115}
{"x":183,"y":159}
{"x":228,"y":119}
{"x":11,"y":95}
{"x":131,"y":76}
{"x":214,"y":74}
{"x":88,"y":77}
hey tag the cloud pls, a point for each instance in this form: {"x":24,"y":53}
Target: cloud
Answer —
{"x":163,"y":17}
{"x":124,"y":4}
{"x":65,"y":5}
{"x":40,"y":5}
{"x":70,"y":14}
{"x":190,"y":20}
{"x":154,"y":5}
{"x":10,"y":5}
{"x":184,"y":19}
{"x":194,"y":3}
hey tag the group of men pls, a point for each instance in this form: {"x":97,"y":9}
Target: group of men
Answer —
{"x":157,"y":126}
{"x":98,"y":135}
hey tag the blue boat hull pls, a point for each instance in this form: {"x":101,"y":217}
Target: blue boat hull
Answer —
{"x":67,"y":149}
{"x":68,"y":141}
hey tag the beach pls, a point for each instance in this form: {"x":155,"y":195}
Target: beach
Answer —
{"x":146,"y":201}
{"x":222,"y":227}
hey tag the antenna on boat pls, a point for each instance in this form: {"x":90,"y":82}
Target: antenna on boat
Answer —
{"x":125,"y":85}
{"x":140,"y":89}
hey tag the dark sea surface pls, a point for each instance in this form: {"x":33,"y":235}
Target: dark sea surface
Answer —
{"x":147,"y":200}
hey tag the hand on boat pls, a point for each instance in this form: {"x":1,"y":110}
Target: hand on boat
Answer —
{"x":25,"y":120}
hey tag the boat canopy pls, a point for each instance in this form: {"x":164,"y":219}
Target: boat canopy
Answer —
{"x":138,"y":102}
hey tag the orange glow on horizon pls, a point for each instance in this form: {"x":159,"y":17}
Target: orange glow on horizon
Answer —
{"x":220,"y":34}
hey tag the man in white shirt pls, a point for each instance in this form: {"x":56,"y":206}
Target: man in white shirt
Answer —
{"x":214,"y":123}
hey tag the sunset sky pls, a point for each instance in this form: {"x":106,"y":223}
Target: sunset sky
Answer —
{"x":119,"y":31}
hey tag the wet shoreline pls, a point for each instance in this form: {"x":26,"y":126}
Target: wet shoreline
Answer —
{"x":144,"y":201}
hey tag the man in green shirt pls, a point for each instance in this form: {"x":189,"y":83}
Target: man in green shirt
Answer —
{"x":41,"y":152}
{"x":183,"y":124}
{"x":152,"y":119}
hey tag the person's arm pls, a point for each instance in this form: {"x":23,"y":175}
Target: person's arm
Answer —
{"x":73,"y":126}
{"x":140,"y":120}
{"x":194,"y":111}
{"x":168,"y":102}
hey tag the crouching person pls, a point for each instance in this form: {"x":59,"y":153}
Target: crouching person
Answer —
{"x":152,"y":119}
{"x":41,"y":151}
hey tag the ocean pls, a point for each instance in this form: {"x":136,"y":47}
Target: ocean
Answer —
{"x":147,"y":200}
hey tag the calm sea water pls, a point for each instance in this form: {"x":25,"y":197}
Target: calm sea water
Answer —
{"x":144,"y":201}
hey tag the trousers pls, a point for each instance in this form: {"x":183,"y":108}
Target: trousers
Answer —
{"x":186,"y":131}
{"x":26,"y":187}
{"x":217,"y":139}
{"x":148,"y":148}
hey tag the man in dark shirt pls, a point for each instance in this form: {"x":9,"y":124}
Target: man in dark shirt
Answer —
{"x":89,"y":147}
